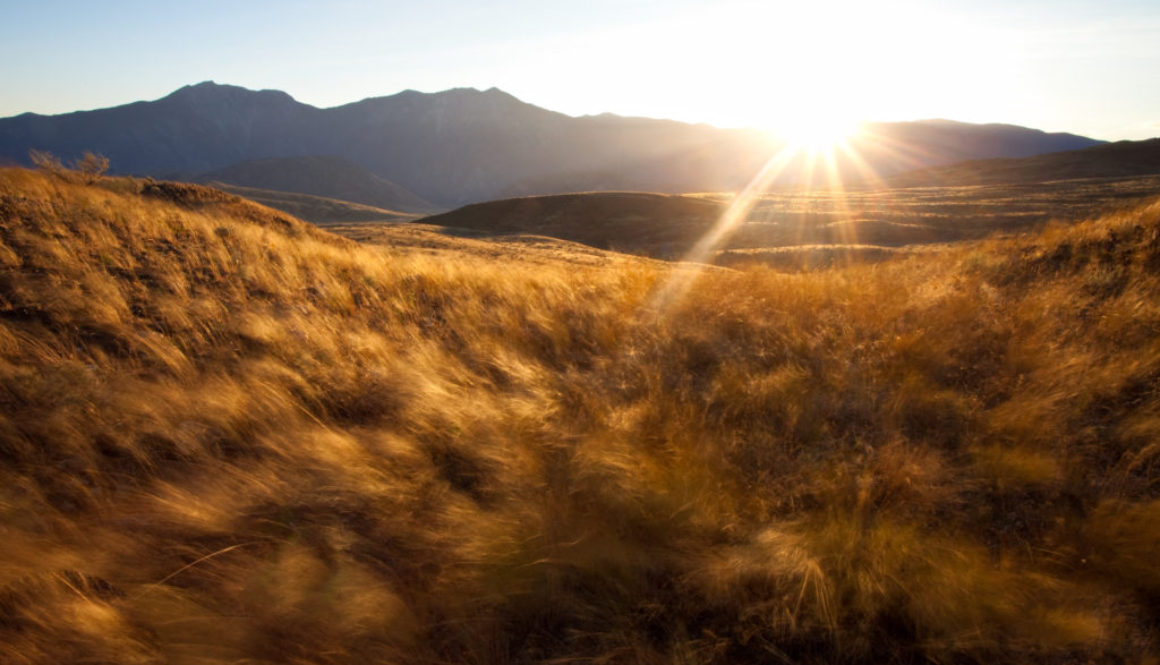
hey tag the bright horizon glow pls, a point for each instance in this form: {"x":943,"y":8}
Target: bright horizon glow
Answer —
{"x":821,"y":134}
{"x":1083,"y":66}
{"x":815,"y":147}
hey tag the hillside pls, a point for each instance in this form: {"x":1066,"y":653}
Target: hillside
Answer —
{"x":316,"y":209}
{"x":637,"y":222}
{"x":889,"y":147}
{"x":464,"y":145}
{"x":228,"y":436}
{"x":1114,"y":160}
{"x":193,"y":129}
{"x":328,"y":177}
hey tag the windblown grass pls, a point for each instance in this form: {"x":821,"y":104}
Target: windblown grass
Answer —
{"x":230,"y":437}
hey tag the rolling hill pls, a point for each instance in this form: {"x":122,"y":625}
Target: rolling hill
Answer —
{"x":866,"y":223}
{"x":655,"y":224}
{"x":464,"y":145}
{"x":228,"y":436}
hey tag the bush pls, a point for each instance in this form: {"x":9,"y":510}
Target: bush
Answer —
{"x":46,"y":161}
{"x":89,"y":168}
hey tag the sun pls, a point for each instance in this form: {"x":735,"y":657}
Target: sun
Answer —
{"x":821,"y":131}
{"x":812,"y":116}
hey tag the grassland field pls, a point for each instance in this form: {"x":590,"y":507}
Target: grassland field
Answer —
{"x":229,"y":436}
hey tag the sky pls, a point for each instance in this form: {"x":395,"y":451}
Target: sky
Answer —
{"x":1086,"y":67}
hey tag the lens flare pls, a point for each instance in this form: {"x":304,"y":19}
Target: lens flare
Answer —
{"x":735,"y":213}
{"x":818,"y":157}
{"x":820,"y":133}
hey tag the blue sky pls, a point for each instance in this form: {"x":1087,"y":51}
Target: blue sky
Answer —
{"x":1087,"y":67}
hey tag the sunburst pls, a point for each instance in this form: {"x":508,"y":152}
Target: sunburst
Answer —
{"x":819,"y":132}
{"x":812,"y":144}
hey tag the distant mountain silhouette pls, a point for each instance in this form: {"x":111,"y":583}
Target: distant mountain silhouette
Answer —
{"x":1111,"y":160}
{"x":331,"y":177}
{"x":911,"y":142}
{"x":194,"y":129}
{"x":465,"y":145}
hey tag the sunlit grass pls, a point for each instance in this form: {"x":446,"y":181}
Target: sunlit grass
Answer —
{"x":230,"y":437}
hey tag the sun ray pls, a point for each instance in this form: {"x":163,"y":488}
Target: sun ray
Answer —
{"x":734,"y":215}
{"x":836,"y":189}
{"x":821,"y":157}
{"x":908,"y":155}
{"x":867,"y":174}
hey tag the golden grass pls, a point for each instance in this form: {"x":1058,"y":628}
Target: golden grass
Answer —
{"x":230,"y":437}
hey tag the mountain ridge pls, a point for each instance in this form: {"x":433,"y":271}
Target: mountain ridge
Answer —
{"x":466,"y":145}
{"x":1119,"y":159}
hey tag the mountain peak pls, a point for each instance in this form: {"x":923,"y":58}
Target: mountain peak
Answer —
{"x":211,"y":91}
{"x":475,"y":92}
{"x":198,"y":89}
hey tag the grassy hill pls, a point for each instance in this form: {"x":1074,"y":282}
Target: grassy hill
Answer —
{"x":229,"y":436}
{"x":658,"y":224}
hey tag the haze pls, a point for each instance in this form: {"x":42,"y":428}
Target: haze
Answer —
{"x":1091,"y":68}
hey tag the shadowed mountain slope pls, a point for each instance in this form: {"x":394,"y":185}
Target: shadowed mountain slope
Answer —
{"x":193,"y":129}
{"x":888,"y":147}
{"x":1113,"y":160}
{"x":330,"y":177}
{"x":465,"y":145}
{"x":316,"y":209}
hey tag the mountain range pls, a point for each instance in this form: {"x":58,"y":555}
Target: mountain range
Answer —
{"x":465,"y":145}
{"x":1122,"y":159}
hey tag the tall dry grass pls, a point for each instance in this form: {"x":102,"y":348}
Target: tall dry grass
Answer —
{"x":230,"y":437}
